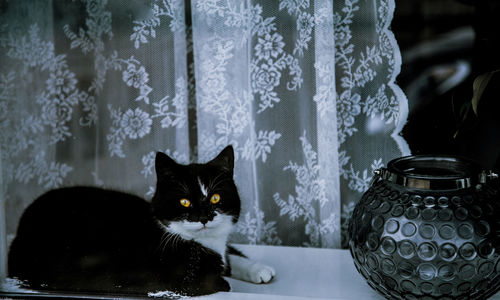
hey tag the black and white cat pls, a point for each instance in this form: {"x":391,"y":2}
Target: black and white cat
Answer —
{"x":84,"y":239}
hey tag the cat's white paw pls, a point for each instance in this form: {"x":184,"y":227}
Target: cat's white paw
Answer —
{"x":249,"y":270}
{"x":260,"y":273}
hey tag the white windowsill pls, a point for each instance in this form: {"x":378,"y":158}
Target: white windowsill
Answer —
{"x":304,"y":273}
{"x":301,"y":274}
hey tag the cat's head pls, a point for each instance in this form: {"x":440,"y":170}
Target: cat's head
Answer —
{"x":196,"y":198}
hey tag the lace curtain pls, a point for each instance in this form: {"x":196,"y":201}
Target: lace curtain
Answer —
{"x":303,"y":89}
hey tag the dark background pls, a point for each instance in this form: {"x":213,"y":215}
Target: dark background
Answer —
{"x":445,"y":45}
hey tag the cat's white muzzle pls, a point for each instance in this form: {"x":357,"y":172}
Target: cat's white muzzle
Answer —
{"x":212,"y":235}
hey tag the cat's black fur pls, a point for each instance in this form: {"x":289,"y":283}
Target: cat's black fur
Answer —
{"x":84,"y":239}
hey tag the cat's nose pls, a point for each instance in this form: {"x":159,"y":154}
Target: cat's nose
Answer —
{"x":205,"y":219}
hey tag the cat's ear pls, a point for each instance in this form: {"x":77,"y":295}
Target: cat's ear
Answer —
{"x":164,"y":165}
{"x":225,"y":159}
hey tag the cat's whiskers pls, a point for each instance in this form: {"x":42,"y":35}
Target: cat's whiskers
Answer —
{"x":177,"y":240}
{"x":214,"y":180}
{"x":167,"y":238}
{"x":180,"y":187}
{"x":220,"y":182}
{"x":172,"y":238}
{"x":184,"y":186}
{"x":165,"y":244}
{"x":162,"y":240}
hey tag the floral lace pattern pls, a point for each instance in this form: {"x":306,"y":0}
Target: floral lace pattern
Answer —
{"x":303,"y":92}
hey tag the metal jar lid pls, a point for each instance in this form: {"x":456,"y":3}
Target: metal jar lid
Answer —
{"x":434,"y":172}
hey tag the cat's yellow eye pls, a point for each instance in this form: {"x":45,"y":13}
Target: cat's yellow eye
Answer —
{"x":215,"y":199}
{"x":185,"y":202}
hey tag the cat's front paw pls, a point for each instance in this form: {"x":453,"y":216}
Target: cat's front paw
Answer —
{"x":260,"y":273}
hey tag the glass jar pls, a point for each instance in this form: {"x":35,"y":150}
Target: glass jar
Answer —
{"x":428,"y":228}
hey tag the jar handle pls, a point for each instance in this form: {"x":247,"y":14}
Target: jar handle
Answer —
{"x":377,"y":175}
{"x":484,"y":176}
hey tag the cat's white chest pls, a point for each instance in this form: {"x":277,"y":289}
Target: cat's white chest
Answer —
{"x":216,"y":244}
{"x":213,"y":235}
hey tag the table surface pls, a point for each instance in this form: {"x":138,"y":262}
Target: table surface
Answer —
{"x":303,"y":273}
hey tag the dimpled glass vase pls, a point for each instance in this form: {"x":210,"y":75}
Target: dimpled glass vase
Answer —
{"x":428,"y":228}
